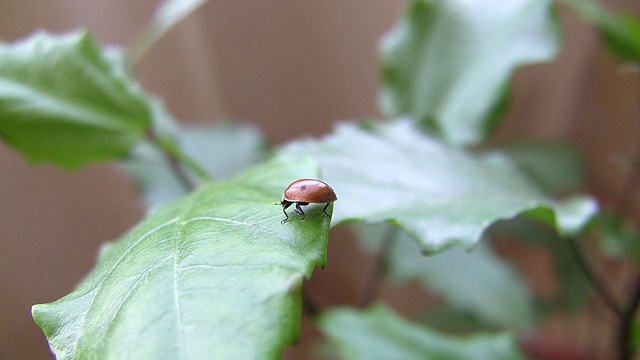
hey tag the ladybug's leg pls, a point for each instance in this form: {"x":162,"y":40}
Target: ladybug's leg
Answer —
{"x":299,"y":209}
{"x":324,"y":210}
{"x":285,"y":204}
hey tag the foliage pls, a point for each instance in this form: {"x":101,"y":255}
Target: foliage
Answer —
{"x":212,"y":272}
{"x":223,"y":149}
{"x":490,"y":284}
{"x":378,"y":333}
{"x":436,"y":193}
{"x":64,"y":100}
{"x":450,"y":71}
{"x":222,"y":273}
{"x":619,"y":32}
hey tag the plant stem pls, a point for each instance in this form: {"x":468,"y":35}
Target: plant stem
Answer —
{"x":375,"y":276}
{"x":626,"y":200}
{"x":596,"y":282}
{"x":628,"y":196}
{"x":165,"y":17}
{"x":179,"y":171}
{"x":626,"y":325}
{"x":308,"y":305}
{"x":179,"y":161}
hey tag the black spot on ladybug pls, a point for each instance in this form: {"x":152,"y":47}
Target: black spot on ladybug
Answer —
{"x":303,"y":188}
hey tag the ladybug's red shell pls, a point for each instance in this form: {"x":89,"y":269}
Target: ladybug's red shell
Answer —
{"x":309,"y":191}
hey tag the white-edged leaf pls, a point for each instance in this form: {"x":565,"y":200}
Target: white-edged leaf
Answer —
{"x":439,"y":194}
{"x":447,"y":64}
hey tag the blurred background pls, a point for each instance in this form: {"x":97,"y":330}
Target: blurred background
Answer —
{"x":292,"y":69}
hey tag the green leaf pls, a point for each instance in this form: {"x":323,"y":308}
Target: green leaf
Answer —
{"x":63,"y":100}
{"x":475,"y":280}
{"x":225,"y":148}
{"x":213,"y":275}
{"x":635,"y":336}
{"x":453,"y":321}
{"x":619,"y":32}
{"x":166,"y":16}
{"x":222,"y":149}
{"x":556,"y":167}
{"x":574,"y":288}
{"x":619,"y":239}
{"x":378,"y":333}
{"x":440,"y":195}
{"x":447,"y":64}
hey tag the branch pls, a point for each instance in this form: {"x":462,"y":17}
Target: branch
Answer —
{"x":625,"y":347}
{"x":375,"y":277}
{"x":165,"y":17}
{"x":626,"y":326}
{"x":179,"y":161}
{"x":308,"y":304}
{"x":179,"y":171}
{"x":596,"y":282}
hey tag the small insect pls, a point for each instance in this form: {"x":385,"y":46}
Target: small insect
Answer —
{"x":304,"y":192}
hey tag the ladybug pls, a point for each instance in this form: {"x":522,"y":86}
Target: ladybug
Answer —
{"x":304,"y":192}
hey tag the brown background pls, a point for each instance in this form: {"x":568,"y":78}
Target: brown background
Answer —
{"x":293,"y":68}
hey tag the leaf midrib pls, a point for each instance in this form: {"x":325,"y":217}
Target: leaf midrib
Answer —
{"x":177,"y":241}
{"x":96,"y":289}
{"x":81,"y":113}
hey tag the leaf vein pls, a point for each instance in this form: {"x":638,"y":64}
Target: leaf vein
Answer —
{"x":179,"y":236}
{"x":106,"y":275}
